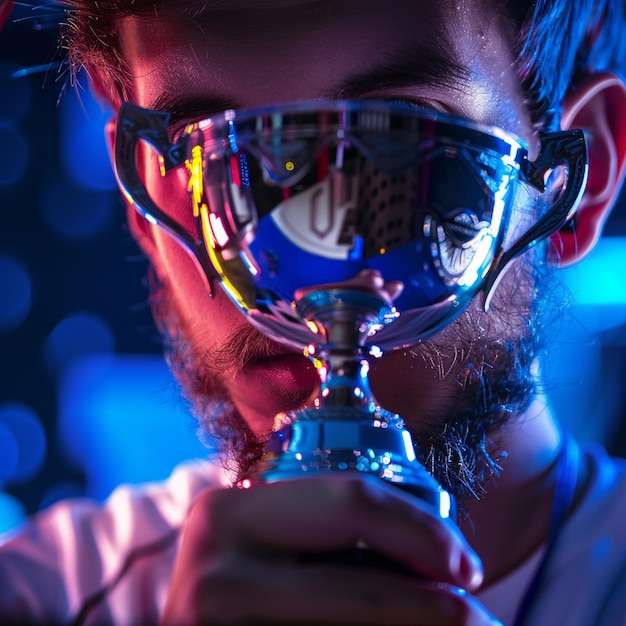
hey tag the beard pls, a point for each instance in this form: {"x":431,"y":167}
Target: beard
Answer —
{"x":485,"y":358}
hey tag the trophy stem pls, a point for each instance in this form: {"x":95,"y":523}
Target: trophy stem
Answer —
{"x":347,"y":430}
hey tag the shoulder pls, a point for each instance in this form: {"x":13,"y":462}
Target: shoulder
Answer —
{"x":71,"y":552}
{"x":584,"y":576}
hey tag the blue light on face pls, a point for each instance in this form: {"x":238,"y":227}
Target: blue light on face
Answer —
{"x":15,"y":293}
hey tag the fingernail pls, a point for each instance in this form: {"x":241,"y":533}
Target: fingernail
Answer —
{"x":471,"y":569}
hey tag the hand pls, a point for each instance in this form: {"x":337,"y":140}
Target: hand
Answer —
{"x":239,"y":563}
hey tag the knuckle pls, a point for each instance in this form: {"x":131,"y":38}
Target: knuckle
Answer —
{"x":354,"y":494}
{"x":208,"y":516}
{"x":442,"y":542}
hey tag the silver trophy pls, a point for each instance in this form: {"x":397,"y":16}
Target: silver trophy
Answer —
{"x":345,"y":230}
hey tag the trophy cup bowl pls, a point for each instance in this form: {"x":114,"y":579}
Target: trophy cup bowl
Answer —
{"x":345,"y":230}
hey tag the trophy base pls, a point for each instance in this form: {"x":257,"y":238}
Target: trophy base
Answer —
{"x":333,"y":439}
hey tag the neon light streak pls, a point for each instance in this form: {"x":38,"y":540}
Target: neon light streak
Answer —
{"x":217,"y":226}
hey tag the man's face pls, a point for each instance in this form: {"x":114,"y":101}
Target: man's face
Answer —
{"x":453,"y":56}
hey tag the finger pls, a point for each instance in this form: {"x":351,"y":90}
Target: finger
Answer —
{"x":326,"y":514}
{"x":330,"y":595}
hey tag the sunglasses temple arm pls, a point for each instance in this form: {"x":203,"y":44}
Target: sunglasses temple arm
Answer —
{"x":561,"y":148}
{"x":135,"y":124}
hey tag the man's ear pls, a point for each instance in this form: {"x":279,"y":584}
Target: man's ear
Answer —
{"x":596,"y":105}
{"x":140,"y":228}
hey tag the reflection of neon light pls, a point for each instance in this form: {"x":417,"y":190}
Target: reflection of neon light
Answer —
{"x":445,"y":504}
{"x":226,"y":284}
{"x":195,"y":181}
{"x":162,"y":165}
{"x":207,"y":232}
{"x":234,"y":171}
{"x":217,"y":226}
{"x":248,"y":263}
{"x":408,"y":446}
{"x":312,"y":327}
{"x":481,"y":252}
{"x":499,"y":204}
{"x":357,"y":248}
{"x":232,"y":137}
{"x":376,"y":352}
{"x":482,"y":248}
{"x":364,"y":369}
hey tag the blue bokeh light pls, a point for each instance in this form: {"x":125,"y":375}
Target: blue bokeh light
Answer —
{"x":72,"y":212}
{"x":122,"y":420}
{"x":12,"y":513}
{"x":74,"y":336}
{"x":16,"y":96}
{"x":29,"y":436}
{"x":15,"y":293}
{"x":84,"y":151}
{"x":13,"y":156}
{"x":598,"y":285}
{"x":9,"y":453}
{"x":61,"y":491}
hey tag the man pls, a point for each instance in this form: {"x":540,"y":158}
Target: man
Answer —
{"x":469,"y":394}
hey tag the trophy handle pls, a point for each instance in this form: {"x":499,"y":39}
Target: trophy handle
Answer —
{"x":134,"y":125}
{"x":562,"y":148}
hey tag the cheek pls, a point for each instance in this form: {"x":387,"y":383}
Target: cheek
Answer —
{"x":206,"y":321}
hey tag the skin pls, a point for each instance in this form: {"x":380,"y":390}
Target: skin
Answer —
{"x":237,"y":562}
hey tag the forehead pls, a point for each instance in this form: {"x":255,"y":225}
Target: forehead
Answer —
{"x":245,"y":53}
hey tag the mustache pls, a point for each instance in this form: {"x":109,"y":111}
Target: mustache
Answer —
{"x":242,"y":346}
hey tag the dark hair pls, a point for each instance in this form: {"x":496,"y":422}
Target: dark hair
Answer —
{"x":559,"y":40}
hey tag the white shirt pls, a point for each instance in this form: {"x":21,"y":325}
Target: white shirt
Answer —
{"x":111,"y":563}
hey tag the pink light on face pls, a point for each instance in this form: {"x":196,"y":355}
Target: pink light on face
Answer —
{"x":219,"y":232}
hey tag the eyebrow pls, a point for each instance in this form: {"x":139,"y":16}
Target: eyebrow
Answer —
{"x":417,"y":66}
{"x":183,"y":107}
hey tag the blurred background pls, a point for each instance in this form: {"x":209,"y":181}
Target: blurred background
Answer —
{"x":86,"y":401}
